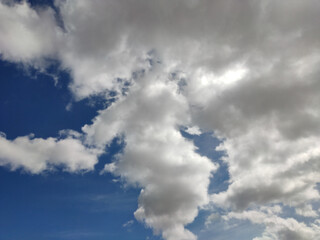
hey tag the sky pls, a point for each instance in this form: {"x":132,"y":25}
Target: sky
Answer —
{"x":169,"y":119}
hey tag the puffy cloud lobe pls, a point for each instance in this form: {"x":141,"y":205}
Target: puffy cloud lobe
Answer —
{"x":36,"y":154}
{"x":174,"y":179}
{"x":286,"y":171}
{"x":27,"y":35}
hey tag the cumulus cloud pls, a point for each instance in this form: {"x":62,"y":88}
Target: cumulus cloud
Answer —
{"x":36,"y":155}
{"x":193,"y":130}
{"x":247,"y":71}
{"x":174,"y":179}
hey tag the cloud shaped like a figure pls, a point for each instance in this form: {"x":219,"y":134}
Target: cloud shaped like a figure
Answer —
{"x":246,"y":70}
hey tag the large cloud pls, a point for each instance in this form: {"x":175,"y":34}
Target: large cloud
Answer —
{"x":246,"y":70}
{"x":174,"y":179}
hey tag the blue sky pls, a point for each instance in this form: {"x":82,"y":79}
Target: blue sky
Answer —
{"x":173,"y":120}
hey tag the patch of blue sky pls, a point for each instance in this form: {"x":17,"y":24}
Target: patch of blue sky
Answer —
{"x":44,"y":206}
{"x":34,"y":103}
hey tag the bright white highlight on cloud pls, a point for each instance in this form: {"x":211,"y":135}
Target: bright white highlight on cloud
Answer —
{"x":245,"y":70}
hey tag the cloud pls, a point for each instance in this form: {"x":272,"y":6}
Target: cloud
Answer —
{"x":128,"y":224}
{"x":193,"y":130}
{"x":36,"y":155}
{"x":211,"y":219}
{"x":246,"y":71}
{"x":278,"y":227}
{"x":174,"y":179}
{"x":27,"y":35}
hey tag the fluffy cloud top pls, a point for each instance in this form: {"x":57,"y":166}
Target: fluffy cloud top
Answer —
{"x":247,"y":70}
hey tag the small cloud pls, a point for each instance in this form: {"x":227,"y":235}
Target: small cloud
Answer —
{"x":306,"y":210}
{"x":212,"y":218}
{"x":128,"y":224}
{"x":69,"y":106}
{"x":193,"y":130}
{"x":69,"y":133}
{"x":110,"y":167}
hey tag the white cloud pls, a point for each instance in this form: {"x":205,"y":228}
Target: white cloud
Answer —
{"x":174,"y":179}
{"x":35,"y":155}
{"x":306,"y":210}
{"x":27,"y":35}
{"x":193,"y":130}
